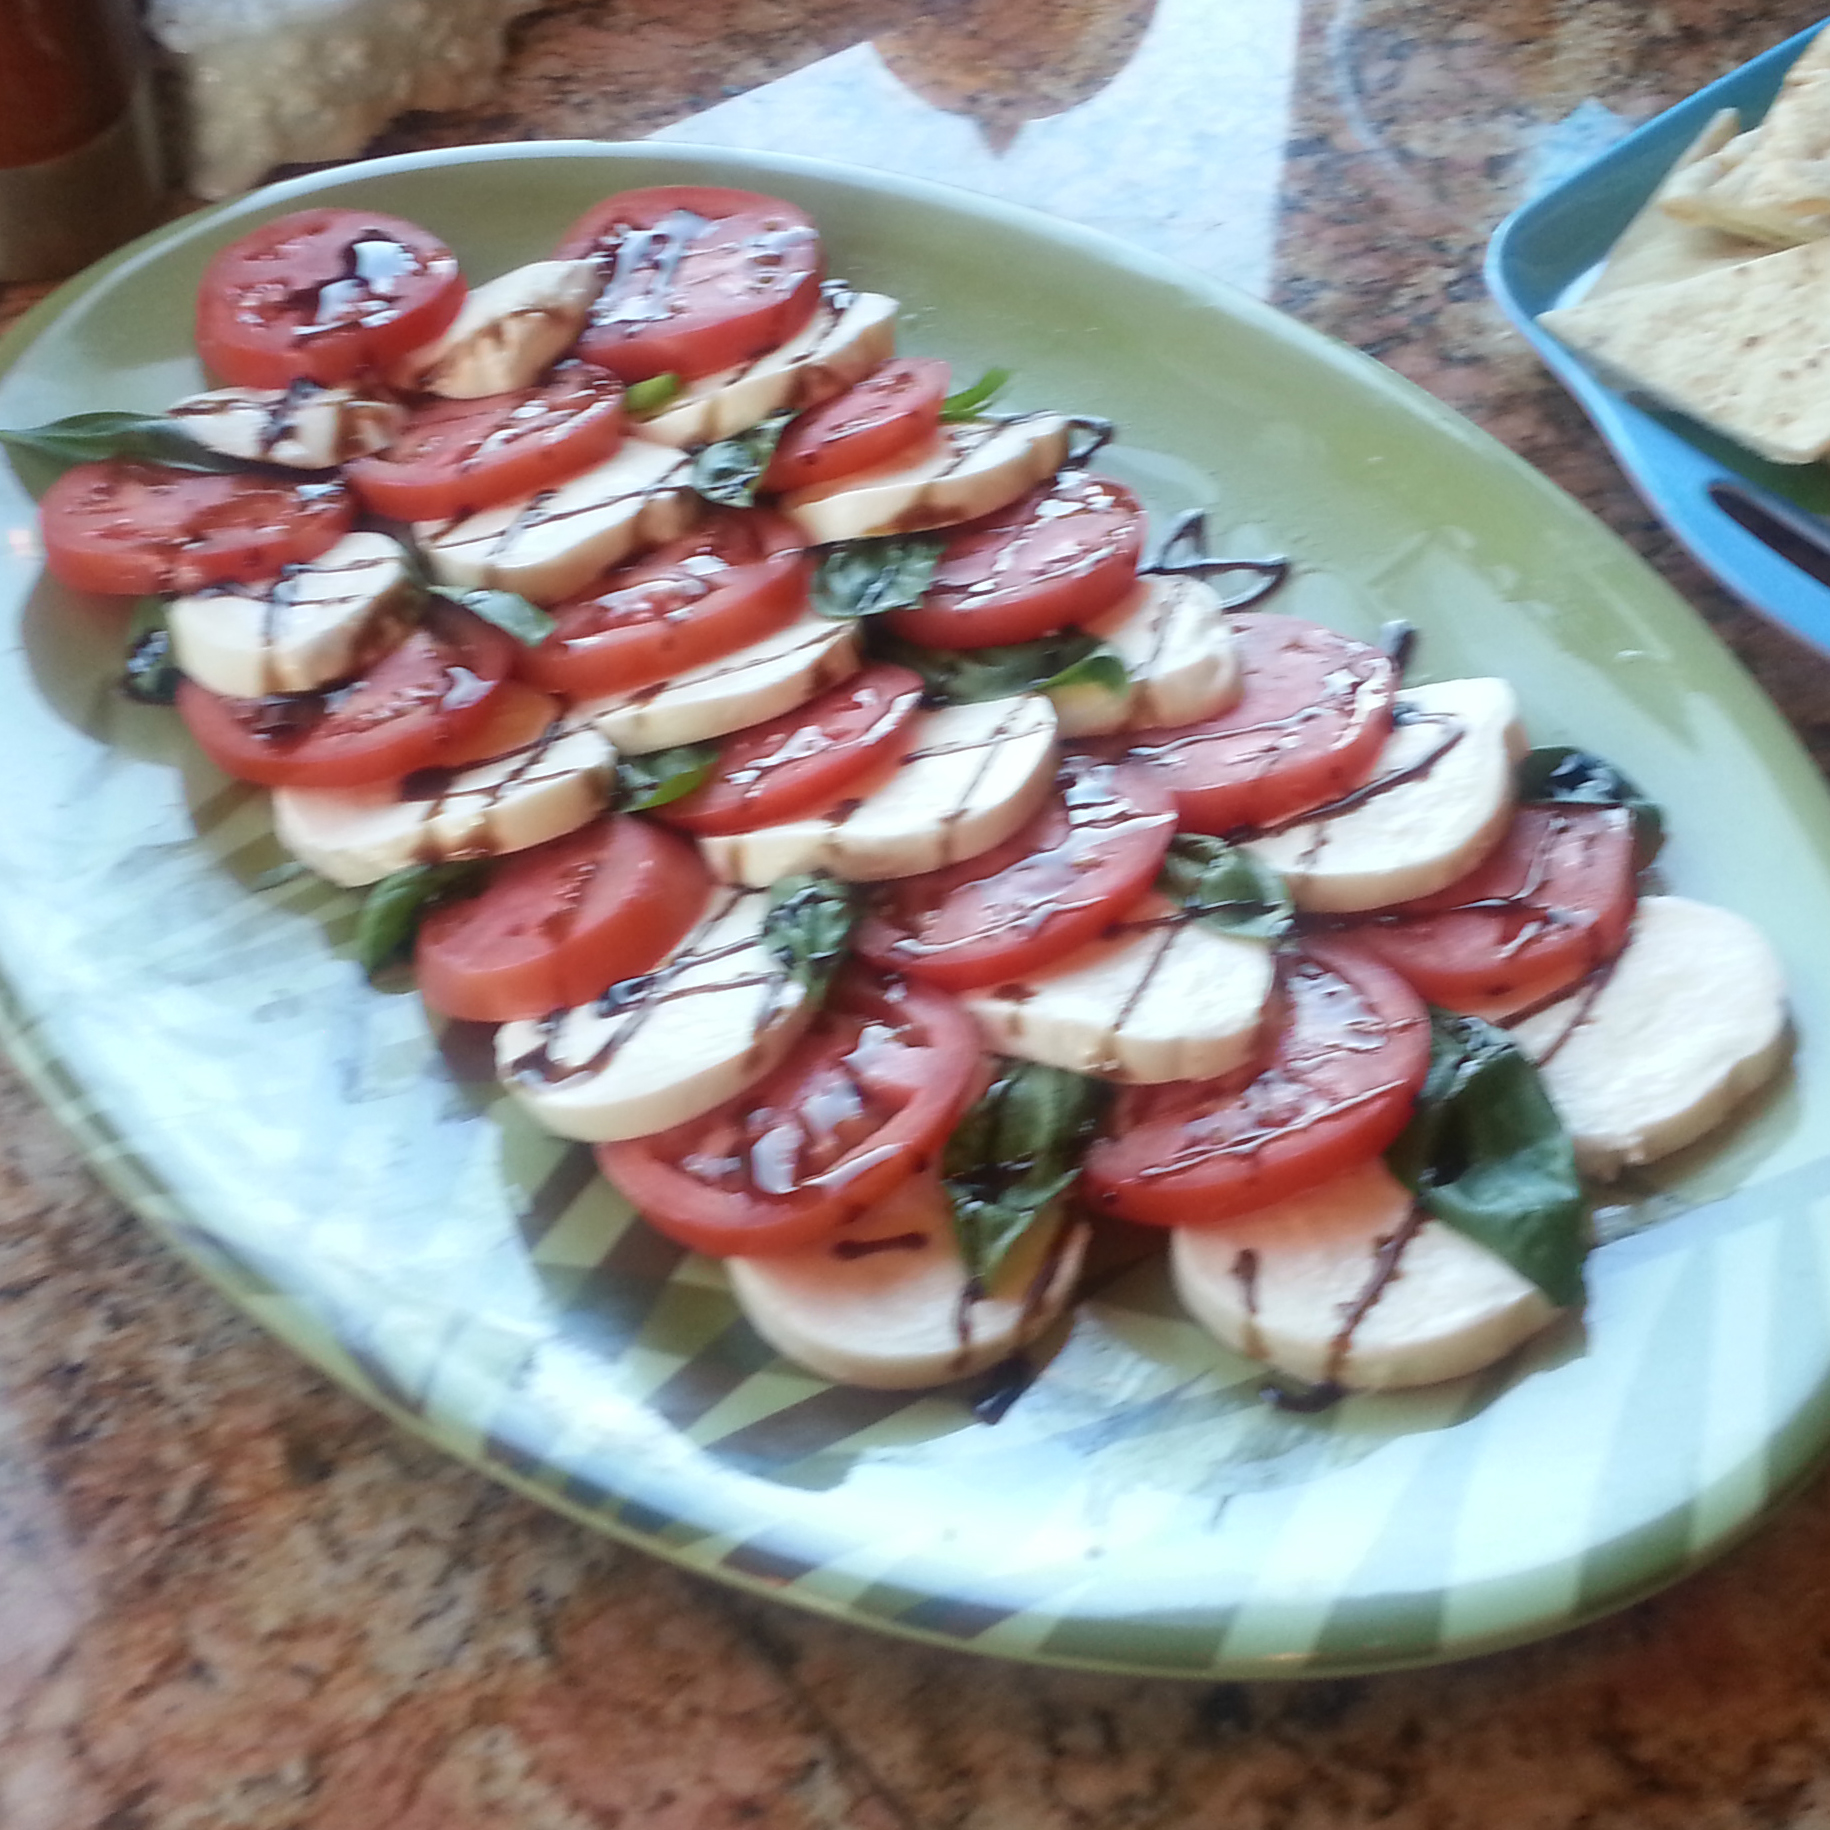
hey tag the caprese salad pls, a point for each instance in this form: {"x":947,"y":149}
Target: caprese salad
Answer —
{"x":895,"y":863}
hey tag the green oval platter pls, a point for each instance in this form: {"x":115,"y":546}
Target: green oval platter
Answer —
{"x":349,"y":1175}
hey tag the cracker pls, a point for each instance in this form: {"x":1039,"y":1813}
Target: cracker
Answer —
{"x":1744,"y":348}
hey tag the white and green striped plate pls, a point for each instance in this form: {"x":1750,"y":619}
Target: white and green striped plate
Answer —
{"x":349,"y":1175}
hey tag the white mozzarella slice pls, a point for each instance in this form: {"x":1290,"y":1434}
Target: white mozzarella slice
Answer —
{"x":971,"y":776}
{"x":319,"y":622}
{"x":1158,"y":997}
{"x":744,"y":687}
{"x":548,"y":545}
{"x":1343,"y":1285}
{"x":715,"y":1017}
{"x":1176,"y":643}
{"x":1439,"y":799}
{"x":360,"y":835}
{"x":1660,"y":1048}
{"x":507,"y":334}
{"x":303,"y":427}
{"x":841,"y":344}
{"x":966,"y":470}
{"x":886,"y":1304}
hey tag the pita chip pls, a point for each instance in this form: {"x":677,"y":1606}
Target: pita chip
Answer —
{"x":1657,"y":247}
{"x":1772,"y":183}
{"x":1745,"y":349}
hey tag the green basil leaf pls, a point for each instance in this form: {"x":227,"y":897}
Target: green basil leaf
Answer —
{"x":1560,"y":773}
{"x":961,"y":676}
{"x":149,"y":674}
{"x":661,"y":776}
{"x":1226,"y":887}
{"x":644,"y":399}
{"x":527,"y":623}
{"x":730,"y":470}
{"x":967,"y":402}
{"x":808,"y":927}
{"x":1486,"y":1154}
{"x":393,"y":908}
{"x":1014,"y":1155}
{"x":86,"y":438}
{"x":867,"y":577}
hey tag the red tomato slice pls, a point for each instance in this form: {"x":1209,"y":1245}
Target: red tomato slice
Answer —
{"x":1348,"y":1051}
{"x":1062,"y":554}
{"x":558,"y":923}
{"x":892,"y":408}
{"x":128,"y":528}
{"x":429,"y":693}
{"x":1055,"y":885}
{"x":740,"y":575}
{"x":325,"y":294}
{"x":862,"y":1101}
{"x":700,"y":278}
{"x":805,"y":760}
{"x":1315,"y":712}
{"x":1549,"y":905}
{"x":455,"y":456}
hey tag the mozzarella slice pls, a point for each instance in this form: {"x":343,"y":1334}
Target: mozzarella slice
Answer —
{"x":303,"y":427}
{"x":549,"y":545}
{"x":886,"y":1304}
{"x":1159,"y":997}
{"x":507,"y":333}
{"x":971,"y":776}
{"x":318,"y":622}
{"x":1659,"y":1049}
{"x":966,"y":470}
{"x":1177,"y":645}
{"x":360,"y":835}
{"x":747,"y":686}
{"x":1337,"y":1286}
{"x":1436,"y":804}
{"x":842,"y":343}
{"x":717,"y":1016}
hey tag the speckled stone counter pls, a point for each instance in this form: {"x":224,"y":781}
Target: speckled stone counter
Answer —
{"x":230,"y":1597}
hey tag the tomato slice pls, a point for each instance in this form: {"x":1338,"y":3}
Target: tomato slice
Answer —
{"x":805,"y":760}
{"x":1314,"y":714}
{"x":127,"y":528}
{"x":558,"y":923}
{"x":1062,"y":554}
{"x":453,"y":457}
{"x":740,"y":575}
{"x":862,"y":1101}
{"x":429,"y":693}
{"x":1348,"y":1049}
{"x":700,"y":278}
{"x":324,"y":294}
{"x":893,"y":407}
{"x":1055,"y":885}
{"x":1552,"y":902}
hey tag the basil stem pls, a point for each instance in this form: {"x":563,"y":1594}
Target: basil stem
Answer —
{"x":394,"y":907}
{"x":867,"y":577}
{"x":967,"y":402}
{"x":1013,"y":1157}
{"x":1560,"y":774}
{"x":808,"y":928}
{"x":1226,"y":887}
{"x":644,"y":399}
{"x":661,"y":776}
{"x":1486,"y":1154}
{"x":731,"y":471}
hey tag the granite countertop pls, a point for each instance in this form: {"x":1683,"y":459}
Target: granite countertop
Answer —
{"x":232,"y":1597}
